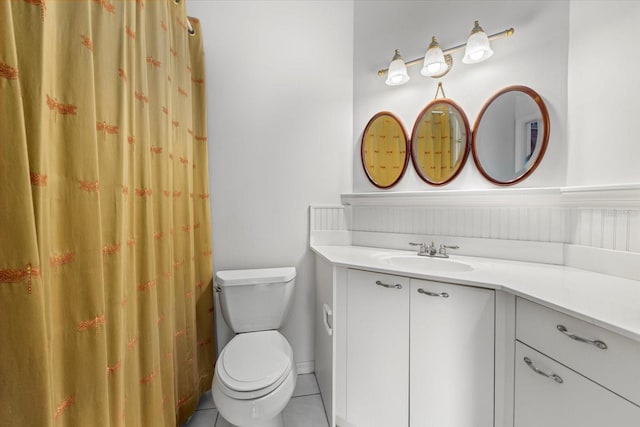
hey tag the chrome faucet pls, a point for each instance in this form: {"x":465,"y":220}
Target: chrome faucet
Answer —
{"x":431,"y":251}
{"x":425,"y":250}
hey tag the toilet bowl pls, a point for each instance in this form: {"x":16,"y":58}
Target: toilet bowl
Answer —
{"x":255,"y":372}
{"x":254,"y":379}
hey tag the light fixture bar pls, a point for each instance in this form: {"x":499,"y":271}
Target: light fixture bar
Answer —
{"x":502,"y":34}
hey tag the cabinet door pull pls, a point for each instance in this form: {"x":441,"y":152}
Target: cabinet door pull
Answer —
{"x":384,"y":285}
{"x":433,"y":294}
{"x":554,"y":377}
{"x":600,"y":344}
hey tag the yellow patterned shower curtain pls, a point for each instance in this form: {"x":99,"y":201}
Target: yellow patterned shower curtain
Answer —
{"x":435,"y":152}
{"x":106,"y":308}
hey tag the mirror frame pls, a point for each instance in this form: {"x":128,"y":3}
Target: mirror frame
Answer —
{"x":467,"y":130}
{"x":545,"y":136}
{"x":406,"y":145}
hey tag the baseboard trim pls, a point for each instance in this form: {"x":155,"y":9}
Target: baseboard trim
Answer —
{"x":305,"y":367}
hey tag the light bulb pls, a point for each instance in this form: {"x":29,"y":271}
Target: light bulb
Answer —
{"x":433,"y":68}
{"x":476,"y":55}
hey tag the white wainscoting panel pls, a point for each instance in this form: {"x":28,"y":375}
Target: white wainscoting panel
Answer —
{"x":615,"y":229}
{"x":329,"y":225}
{"x":539,"y":224}
{"x":328,"y":218}
{"x":599,"y":227}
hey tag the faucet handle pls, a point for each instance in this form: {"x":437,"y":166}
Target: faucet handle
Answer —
{"x":423,"y":247}
{"x":443,"y":249}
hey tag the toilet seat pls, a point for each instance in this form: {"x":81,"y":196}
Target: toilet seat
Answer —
{"x":254,"y":364}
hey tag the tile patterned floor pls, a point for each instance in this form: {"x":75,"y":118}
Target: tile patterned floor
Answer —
{"x":304,"y":410}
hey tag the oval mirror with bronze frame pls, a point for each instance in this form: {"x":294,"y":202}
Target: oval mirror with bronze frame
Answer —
{"x":510,"y":135}
{"x":440,"y":142}
{"x":384,"y":150}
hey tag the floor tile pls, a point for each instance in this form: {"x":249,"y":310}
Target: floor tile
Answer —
{"x":206,"y":402}
{"x":222,"y":422}
{"x":305,"y":411}
{"x":203,"y":418}
{"x":306,"y":385}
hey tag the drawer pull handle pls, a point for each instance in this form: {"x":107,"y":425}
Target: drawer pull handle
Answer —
{"x":384,"y":285}
{"x":554,"y":377}
{"x":600,"y":344}
{"x":433,"y":294}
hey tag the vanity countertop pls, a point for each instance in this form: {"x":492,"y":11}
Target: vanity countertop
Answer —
{"x":607,"y":301}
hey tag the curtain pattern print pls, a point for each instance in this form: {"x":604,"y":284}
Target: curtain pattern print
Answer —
{"x":106,"y":306}
{"x":435,"y":147}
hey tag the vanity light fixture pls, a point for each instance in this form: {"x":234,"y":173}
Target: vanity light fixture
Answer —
{"x":478,"y":48}
{"x":438,"y":62}
{"x":434,"y":61}
{"x":397,"y":72}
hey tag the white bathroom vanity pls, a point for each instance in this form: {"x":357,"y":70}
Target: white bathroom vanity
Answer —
{"x":403,"y":340}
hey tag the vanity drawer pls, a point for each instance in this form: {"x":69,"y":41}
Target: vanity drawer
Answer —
{"x":616,"y":367}
{"x":548,"y":394}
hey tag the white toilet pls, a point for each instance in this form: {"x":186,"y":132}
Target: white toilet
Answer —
{"x":255,"y":373}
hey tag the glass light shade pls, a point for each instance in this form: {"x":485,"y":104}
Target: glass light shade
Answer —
{"x":478,"y":48}
{"x":397,"y":74}
{"x":434,"y":63}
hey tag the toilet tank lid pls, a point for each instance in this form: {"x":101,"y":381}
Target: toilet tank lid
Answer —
{"x":255,"y":276}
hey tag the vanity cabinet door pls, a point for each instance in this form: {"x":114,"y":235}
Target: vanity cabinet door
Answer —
{"x":324,"y":325}
{"x":377,"y":350}
{"x":452,"y":355}
{"x":557,"y":396}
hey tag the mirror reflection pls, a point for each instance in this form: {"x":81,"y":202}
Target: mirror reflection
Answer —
{"x":384,"y":150}
{"x":510,"y":135}
{"x":440,"y":142}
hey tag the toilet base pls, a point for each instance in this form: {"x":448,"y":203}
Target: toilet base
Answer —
{"x":244,"y":412}
{"x":276,"y":421}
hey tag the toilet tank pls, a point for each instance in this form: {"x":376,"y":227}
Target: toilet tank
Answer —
{"x":256,"y":299}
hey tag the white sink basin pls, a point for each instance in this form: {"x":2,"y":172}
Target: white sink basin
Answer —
{"x":415,"y":262}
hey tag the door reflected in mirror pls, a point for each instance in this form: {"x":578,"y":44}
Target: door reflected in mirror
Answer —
{"x":510,"y":135}
{"x":440,"y":142}
{"x":384,"y":150}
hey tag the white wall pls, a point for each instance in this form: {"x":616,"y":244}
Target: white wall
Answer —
{"x":535,"y":56}
{"x":292,"y":84}
{"x":279,"y":95}
{"x":604,"y":93}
